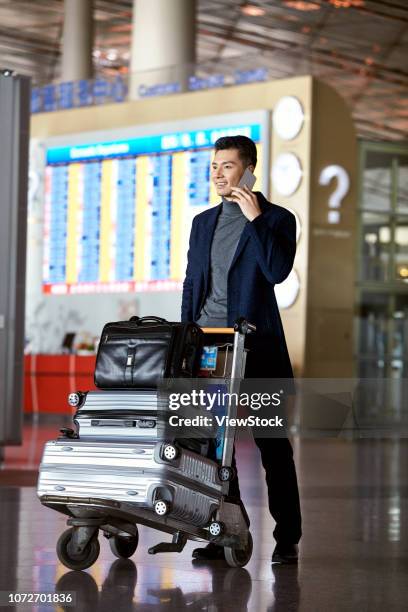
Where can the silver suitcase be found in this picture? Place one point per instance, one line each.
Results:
(116, 414)
(130, 416)
(138, 473)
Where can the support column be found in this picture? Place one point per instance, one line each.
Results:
(163, 44)
(14, 139)
(77, 42)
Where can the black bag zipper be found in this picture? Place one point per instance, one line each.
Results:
(151, 335)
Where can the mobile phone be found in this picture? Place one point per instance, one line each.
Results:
(248, 179)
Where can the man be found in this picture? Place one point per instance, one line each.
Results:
(238, 251)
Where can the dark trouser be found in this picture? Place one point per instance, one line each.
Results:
(276, 453)
(283, 494)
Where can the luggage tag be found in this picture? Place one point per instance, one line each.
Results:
(209, 358)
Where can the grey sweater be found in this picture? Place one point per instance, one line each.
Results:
(227, 233)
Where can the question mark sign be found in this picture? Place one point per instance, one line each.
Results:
(343, 184)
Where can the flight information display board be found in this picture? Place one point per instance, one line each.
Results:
(118, 214)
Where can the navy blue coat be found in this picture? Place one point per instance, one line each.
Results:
(264, 257)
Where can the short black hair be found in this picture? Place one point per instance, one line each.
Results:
(245, 146)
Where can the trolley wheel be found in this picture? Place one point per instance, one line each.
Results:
(85, 560)
(216, 528)
(122, 547)
(170, 452)
(161, 507)
(239, 558)
(225, 473)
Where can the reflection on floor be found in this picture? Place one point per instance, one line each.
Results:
(354, 553)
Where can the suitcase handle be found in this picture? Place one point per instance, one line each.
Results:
(141, 320)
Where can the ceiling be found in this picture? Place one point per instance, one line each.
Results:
(360, 47)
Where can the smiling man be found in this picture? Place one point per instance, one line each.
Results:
(238, 251)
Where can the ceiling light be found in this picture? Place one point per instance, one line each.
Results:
(302, 5)
(403, 271)
(112, 55)
(252, 10)
(346, 3)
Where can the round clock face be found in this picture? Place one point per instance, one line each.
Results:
(287, 292)
(286, 173)
(288, 117)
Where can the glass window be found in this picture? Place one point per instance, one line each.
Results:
(398, 371)
(376, 241)
(401, 249)
(402, 184)
(400, 328)
(373, 330)
(382, 343)
(376, 193)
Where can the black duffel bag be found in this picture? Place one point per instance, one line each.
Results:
(139, 353)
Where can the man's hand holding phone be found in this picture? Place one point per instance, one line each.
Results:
(246, 198)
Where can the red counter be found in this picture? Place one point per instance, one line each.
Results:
(48, 379)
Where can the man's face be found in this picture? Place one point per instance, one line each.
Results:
(226, 171)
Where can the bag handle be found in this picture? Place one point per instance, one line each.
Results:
(141, 320)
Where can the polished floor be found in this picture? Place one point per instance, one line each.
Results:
(354, 552)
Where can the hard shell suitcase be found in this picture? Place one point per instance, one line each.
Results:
(131, 415)
(116, 414)
(136, 473)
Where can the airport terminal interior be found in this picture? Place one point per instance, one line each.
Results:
(353, 554)
(109, 112)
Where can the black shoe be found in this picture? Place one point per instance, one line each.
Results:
(211, 552)
(285, 554)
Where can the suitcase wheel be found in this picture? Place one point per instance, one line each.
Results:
(161, 507)
(170, 452)
(77, 562)
(216, 528)
(225, 473)
(76, 399)
(123, 548)
(73, 399)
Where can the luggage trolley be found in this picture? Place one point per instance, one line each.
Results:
(115, 472)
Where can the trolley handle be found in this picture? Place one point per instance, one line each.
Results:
(218, 330)
(243, 326)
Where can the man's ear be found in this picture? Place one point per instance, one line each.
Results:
(251, 167)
